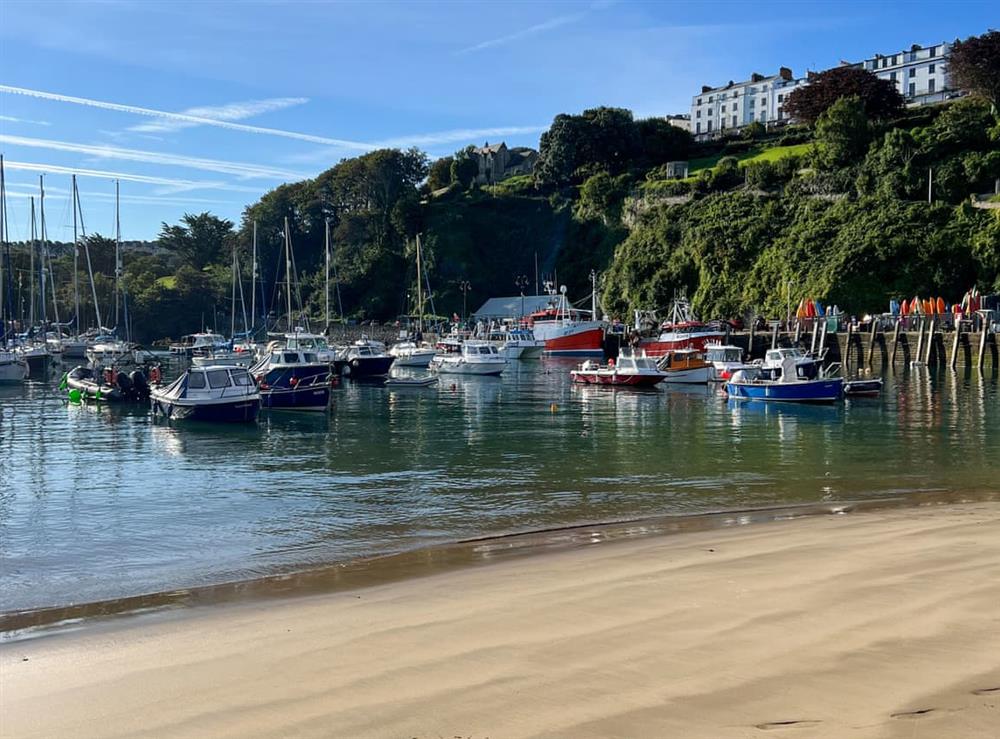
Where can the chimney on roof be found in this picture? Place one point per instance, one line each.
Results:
(785, 73)
(810, 75)
(731, 83)
(705, 88)
(756, 77)
(916, 47)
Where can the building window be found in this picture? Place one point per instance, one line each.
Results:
(913, 71)
(709, 98)
(892, 76)
(723, 108)
(930, 69)
(895, 59)
(930, 85)
(710, 126)
(763, 116)
(752, 101)
(913, 89)
(697, 127)
(780, 98)
(763, 102)
(933, 51)
(734, 121)
(698, 114)
(699, 101)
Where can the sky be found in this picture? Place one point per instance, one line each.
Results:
(195, 105)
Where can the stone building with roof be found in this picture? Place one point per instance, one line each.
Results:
(497, 162)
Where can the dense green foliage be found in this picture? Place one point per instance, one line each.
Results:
(974, 65)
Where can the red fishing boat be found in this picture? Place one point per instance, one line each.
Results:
(682, 331)
(568, 331)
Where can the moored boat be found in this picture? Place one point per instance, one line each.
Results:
(685, 366)
(106, 385)
(568, 331)
(475, 357)
(365, 358)
(215, 393)
(725, 360)
(630, 370)
(795, 381)
(682, 331)
(293, 380)
(13, 368)
(866, 388)
(411, 353)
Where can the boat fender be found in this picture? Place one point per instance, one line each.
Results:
(611, 362)
(293, 381)
(738, 376)
(154, 375)
(355, 363)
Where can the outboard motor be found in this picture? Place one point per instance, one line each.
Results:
(140, 387)
(124, 384)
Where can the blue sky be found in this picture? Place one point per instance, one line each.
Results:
(205, 105)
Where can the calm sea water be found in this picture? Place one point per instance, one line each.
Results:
(103, 502)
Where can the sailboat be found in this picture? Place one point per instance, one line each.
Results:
(13, 367)
(292, 379)
(108, 349)
(32, 345)
(411, 350)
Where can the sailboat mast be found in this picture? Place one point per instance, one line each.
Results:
(4, 258)
(86, 252)
(253, 279)
(118, 244)
(47, 263)
(31, 271)
(232, 298)
(326, 249)
(41, 251)
(420, 292)
(288, 274)
(76, 266)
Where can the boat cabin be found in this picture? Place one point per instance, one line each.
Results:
(285, 358)
(724, 353)
(477, 348)
(306, 342)
(682, 359)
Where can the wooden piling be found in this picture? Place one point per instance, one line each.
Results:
(774, 335)
(812, 344)
(798, 333)
(983, 330)
(920, 340)
(954, 345)
(930, 341)
(871, 343)
(822, 337)
(895, 341)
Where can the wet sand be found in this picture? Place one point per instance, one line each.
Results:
(873, 624)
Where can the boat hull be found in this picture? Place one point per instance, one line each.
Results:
(816, 391)
(617, 379)
(244, 410)
(416, 359)
(572, 341)
(359, 368)
(693, 376)
(13, 372)
(669, 342)
(483, 369)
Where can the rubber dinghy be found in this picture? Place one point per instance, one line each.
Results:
(106, 386)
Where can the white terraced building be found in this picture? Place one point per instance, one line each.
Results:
(920, 75)
(720, 109)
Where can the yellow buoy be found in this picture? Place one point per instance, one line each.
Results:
(553, 407)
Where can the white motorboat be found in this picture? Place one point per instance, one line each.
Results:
(201, 343)
(232, 358)
(13, 368)
(632, 369)
(725, 360)
(37, 355)
(518, 343)
(475, 358)
(412, 354)
(213, 393)
(108, 351)
(317, 344)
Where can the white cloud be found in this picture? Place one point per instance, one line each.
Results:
(559, 20)
(227, 112)
(12, 119)
(104, 151)
(184, 117)
(124, 176)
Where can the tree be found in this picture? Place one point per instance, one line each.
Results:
(879, 98)
(199, 239)
(601, 196)
(843, 133)
(465, 167)
(440, 173)
(578, 146)
(974, 65)
(661, 142)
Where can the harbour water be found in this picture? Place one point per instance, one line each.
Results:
(103, 502)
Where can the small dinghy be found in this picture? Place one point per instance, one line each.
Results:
(864, 388)
(222, 394)
(398, 382)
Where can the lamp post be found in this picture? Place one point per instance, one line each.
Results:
(522, 282)
(464, 286)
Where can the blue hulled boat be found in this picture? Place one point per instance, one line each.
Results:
(220, 394)
(293, 380)
(796, 379)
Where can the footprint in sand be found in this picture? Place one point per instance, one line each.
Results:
(791, 724)
(986, 691)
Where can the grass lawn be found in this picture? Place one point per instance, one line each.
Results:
(756, 154)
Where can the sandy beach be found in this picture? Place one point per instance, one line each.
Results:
(876, 624)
